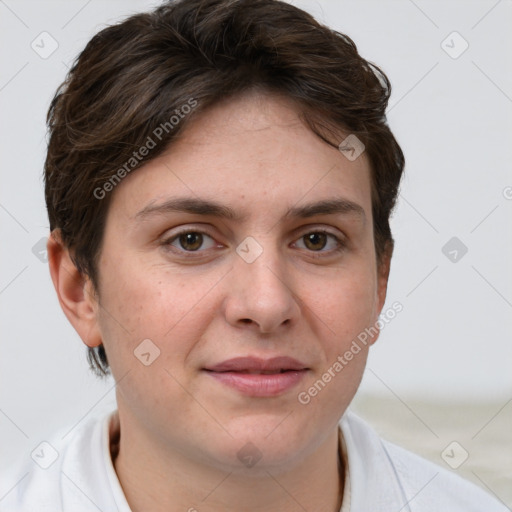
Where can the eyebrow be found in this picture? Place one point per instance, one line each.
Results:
(215, 209)
(327, 207)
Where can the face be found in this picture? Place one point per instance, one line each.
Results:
(245, 254)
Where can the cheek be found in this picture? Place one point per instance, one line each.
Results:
(343, 308)
(150, 305)
(345, 304)
(141, 302)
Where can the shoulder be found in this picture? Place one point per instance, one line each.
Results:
(63, 472)
(434, 487)
(399, 477)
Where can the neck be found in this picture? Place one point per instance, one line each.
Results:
(164, 480)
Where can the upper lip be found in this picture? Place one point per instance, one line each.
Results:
(255, 364)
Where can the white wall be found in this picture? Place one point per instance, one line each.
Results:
(453, 119)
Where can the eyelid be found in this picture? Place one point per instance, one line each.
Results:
(172, 233)
(321, 228)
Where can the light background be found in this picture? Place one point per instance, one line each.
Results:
(451, 345)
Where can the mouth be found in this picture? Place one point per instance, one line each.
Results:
(262, 372)
(259, 377)
(257, 365)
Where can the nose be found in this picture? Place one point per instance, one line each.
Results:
(259, 295)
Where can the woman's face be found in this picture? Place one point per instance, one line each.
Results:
(216, 251)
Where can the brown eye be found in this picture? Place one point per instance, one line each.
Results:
(320, 243)
(191, 241)
(315, 241)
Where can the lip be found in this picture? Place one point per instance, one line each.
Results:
(256, 364)
(249, 375)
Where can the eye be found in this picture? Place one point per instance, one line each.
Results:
(190, 241)
(316, 241)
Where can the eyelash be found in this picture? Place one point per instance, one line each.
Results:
(341, 246)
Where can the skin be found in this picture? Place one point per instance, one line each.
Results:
(181, 429)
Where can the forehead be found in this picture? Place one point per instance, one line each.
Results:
(252, 153)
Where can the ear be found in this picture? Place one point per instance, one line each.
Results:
(383, 268)
(76, 293)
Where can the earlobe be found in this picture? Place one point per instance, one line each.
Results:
(74, 291)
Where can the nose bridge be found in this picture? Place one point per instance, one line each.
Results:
(259, 290)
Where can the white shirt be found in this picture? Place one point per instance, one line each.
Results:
(380, 476)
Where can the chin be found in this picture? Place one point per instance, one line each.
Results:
(264, 441)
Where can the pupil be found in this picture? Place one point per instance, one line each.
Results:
(316, 238)
(191, 241)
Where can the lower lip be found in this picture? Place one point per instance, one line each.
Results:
(257, 384)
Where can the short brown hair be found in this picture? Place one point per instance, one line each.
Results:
(133, 77)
